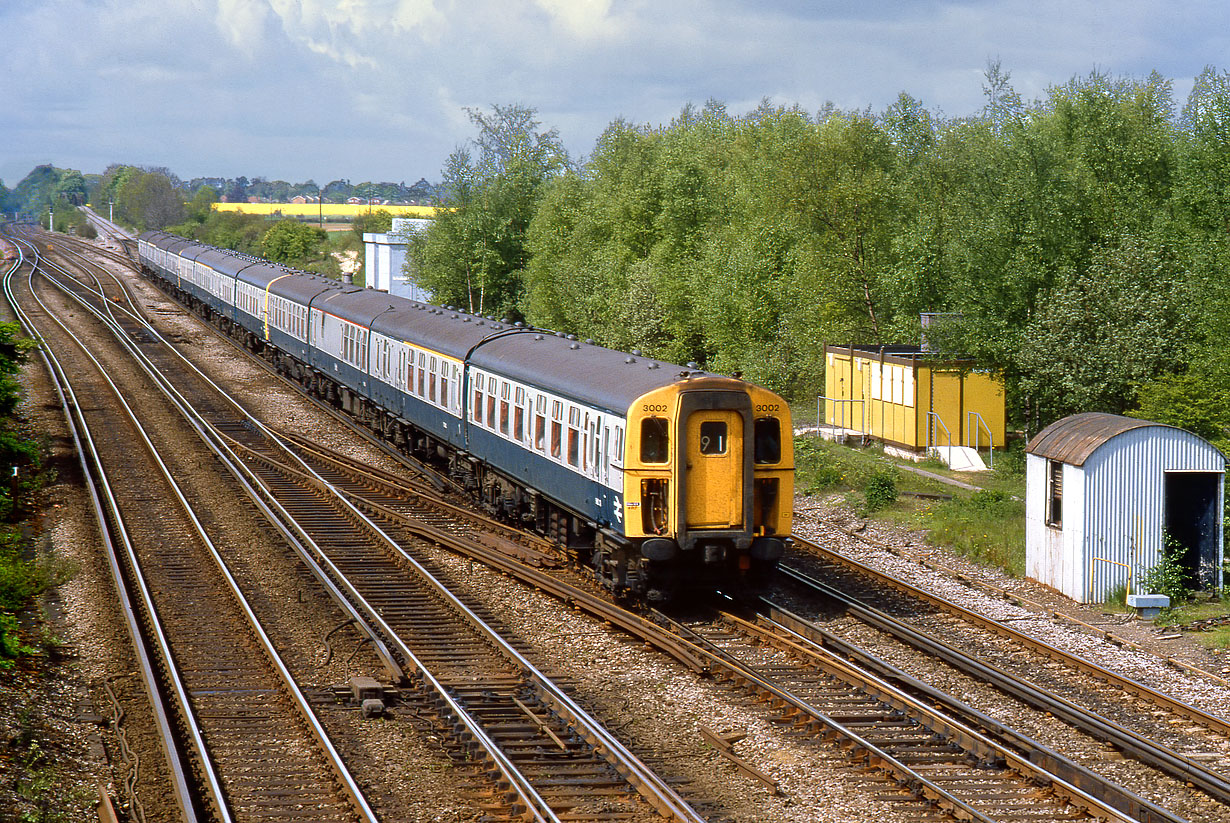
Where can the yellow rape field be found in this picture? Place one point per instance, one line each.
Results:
(343, 211)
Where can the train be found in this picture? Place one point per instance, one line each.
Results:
(658, 477)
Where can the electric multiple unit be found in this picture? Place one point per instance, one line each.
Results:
(655, 475)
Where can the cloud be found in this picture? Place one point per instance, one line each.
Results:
(377, 88)
(355, 32)
(583, 18)
(243, 23)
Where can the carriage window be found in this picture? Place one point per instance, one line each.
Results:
(491, 410)
(574, 443)
(557, 429)
(713, 437)
(477, 413)
(540, 433)
(518, 423)
(504, 416)
(655, 440)
(768, 440)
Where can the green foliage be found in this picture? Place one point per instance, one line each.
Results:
(146, 199)
(820, 467)
(46, 186)
(475, 254)
(379, 221)
(20, 578)
(292, 242)
(200, 207)
(1168, 577)
(226, 229)
(880, 490)
(988, 527)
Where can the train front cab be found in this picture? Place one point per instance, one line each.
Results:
(708, 482)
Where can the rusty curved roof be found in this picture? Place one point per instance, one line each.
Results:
(1073, 439)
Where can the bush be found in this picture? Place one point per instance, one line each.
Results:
(1168, 577)
(880, 490)
(820, 469)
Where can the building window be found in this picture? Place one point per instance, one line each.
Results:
(1054, 493)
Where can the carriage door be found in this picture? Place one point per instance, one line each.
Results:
(714, 469)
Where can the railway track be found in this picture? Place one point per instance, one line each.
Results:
(1167, 734)
(544, 757)
(962, 773)
(242, 742)
(1001, 783)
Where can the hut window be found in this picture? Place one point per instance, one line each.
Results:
(1054, 493)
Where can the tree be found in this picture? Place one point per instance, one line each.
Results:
(238, 192)
(148, 200)
(379, 221)
(202, 203)
(1204, 176)
(292, 242)
(71, 188)
(474, 254)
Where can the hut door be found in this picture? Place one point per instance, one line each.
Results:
(1191, 517)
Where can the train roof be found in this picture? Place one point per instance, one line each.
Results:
(598, 376)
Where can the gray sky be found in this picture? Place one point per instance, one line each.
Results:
(377, 89)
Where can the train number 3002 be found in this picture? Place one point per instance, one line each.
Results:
(653, 407)
(769, 407)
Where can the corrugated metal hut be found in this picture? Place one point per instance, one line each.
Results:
(1102, 491)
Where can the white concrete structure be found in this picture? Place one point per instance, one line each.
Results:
(385, 258)
(1102, 490)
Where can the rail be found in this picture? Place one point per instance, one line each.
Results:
(220, 798)
(1128, 741)
(1095, 559)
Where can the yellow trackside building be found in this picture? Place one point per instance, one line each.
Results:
(905, 397)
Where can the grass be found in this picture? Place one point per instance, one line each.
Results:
(1196, 609)
(987, 526)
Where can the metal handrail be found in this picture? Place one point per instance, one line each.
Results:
(972, 432)
(1093, 572)
(947, 434)
(842, 403)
